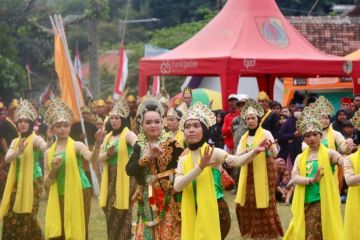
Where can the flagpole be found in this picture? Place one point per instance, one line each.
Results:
(58, 26)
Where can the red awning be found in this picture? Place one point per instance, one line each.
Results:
(247, 38)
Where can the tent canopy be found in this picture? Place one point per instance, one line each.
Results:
(247, 38)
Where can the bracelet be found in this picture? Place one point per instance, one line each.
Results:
(310, 181)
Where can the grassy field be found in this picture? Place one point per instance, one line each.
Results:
(97, 225)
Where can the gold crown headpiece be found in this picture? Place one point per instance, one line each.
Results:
(109, 99)
(14, 104)
(252, 107)
(173, 113)
(263, 96)
(25, 110)
(58, 112)
(199, 112)
(323, 106)
(356, 120)
(187, 90)
(309, 121)
(146, 102)
(121, 108)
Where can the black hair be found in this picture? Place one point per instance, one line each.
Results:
(275, 103)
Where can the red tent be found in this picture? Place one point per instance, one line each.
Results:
(247, 38)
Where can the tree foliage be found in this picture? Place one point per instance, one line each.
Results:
(24, 41)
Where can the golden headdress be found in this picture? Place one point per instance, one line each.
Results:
(25, 110)
(252, 107)
(146, 102)
(173, 113)
(58, 112)
(263, 96)
(323, 106)
(14, 104)
(131, 98)
(187, 90)
(164, 97)
(109, 99)
(356, 120)
(199, 112)
(100, 103)
(85, 109)
(309, 121)
(120, 108)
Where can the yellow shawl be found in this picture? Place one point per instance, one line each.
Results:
(265, 117)
(203, 222)
(352, 209)
(331, 221)
(260, 174)
(24, 193)
(122, 179)
(74, 217)
(180, 138)
(332, 145)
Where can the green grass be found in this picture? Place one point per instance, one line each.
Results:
(97, 225)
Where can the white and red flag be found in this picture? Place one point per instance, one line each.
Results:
(122, 72)
(156, 85)
(77, 67)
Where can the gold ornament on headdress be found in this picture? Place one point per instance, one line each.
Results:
(323, 106)
(85, 109)
(252, 107)
(356, 120)
(14, 104)
(309, 121)
(25, 110)
(131, 98)
(109, 99)
(263, 96)
(120, 108)
(100, 103)
(147, 101)
(199, 112)
(173, 113)
(164, 97)
(58, 112)
(187, 90)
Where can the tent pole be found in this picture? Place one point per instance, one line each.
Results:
(229, 83)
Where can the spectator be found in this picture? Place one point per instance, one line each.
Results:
(346, 104)
(286, 192)
(286, 112)
(290, 139)
(226, 129)
(348, 129)
(356, 101)
(340, 116)
(215, 131)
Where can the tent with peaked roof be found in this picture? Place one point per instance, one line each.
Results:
(354, 55)
(247, 38)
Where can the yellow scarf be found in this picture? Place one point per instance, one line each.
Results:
(122, 179)
(24, 193)
(264, 117)
(331, 145)
(203, 223)
(331, 221)
(260, 174)
(74, 217)
(180, 138)
(352, 209)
